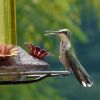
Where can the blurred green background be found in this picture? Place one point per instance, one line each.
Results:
(82, 17)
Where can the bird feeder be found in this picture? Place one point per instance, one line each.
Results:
(16, 65)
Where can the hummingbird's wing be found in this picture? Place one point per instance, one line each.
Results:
(80, 73)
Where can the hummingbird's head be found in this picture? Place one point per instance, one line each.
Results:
(64, 34)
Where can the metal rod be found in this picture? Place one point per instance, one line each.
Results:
(36, 73)
(51, 75)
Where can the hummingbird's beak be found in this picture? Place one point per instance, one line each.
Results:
(51, 32)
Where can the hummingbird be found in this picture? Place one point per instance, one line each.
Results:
(68, 58)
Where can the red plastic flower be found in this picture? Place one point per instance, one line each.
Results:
(37, 52)
(8, 50)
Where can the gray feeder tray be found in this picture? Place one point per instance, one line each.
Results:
(23, 62)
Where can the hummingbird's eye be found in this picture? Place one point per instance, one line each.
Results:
(64, 32)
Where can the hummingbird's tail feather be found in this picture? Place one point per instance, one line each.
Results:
(80, 73)
(82, 76)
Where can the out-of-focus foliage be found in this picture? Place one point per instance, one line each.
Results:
(82, 17)
(39, 91)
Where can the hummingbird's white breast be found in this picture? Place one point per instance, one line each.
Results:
(64, 46)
